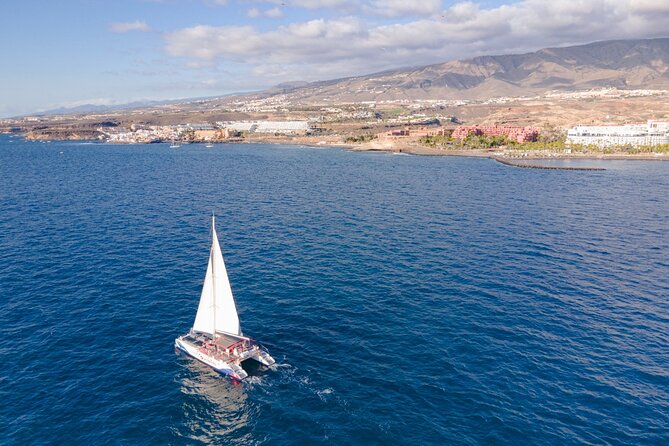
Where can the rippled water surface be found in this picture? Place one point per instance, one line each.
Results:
(408, 300)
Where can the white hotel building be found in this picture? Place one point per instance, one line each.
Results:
(649, 134)
(280, 127)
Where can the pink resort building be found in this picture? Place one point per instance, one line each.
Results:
(519, 134)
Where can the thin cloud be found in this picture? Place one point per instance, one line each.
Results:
(124, 27)
(384, 8)
(397, 8)
(274, 13)
(315, 4)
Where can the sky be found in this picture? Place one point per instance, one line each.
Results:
(72, 52)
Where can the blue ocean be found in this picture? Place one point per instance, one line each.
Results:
(407, 300)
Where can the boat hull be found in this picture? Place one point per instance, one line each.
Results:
(227, 355)
(218, 365)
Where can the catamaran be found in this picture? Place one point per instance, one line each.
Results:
(216, 337)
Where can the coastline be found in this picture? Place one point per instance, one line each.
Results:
(413, 147)
(507, 158)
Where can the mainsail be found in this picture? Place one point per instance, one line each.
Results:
(217, 305)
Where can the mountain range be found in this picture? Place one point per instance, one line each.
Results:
(624, 64)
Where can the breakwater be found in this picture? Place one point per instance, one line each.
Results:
(508, 162)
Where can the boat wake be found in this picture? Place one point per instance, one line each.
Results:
(286, 375)
(324, 394)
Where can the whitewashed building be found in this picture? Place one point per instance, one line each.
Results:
(239, 126)
(281, 127)
(649, 134)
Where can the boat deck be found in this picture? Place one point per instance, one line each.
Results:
(201, 340)
(230, 349)
(225, 340)
(226, 347)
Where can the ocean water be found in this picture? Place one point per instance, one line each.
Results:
(408, 300)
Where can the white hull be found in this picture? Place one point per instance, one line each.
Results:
(218, 365)
(225, 359)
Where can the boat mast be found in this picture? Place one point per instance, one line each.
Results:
(213, 275)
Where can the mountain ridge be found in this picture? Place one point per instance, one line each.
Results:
(622, 64)
(626, 64)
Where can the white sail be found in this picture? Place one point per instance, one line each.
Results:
(217, 305)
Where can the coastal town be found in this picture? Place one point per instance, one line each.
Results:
(503, 126)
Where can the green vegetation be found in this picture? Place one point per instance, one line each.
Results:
(551, 139)
(360, 138)
(389, 112)
(440, 142)
(471, 142)
(486, 142)
(554, 139)
(553, 146)
(560, 146)
(660, 148)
